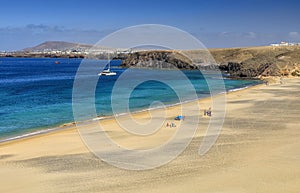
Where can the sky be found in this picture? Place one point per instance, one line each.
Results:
(216, 23)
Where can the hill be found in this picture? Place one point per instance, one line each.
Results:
(252, 62)
(259, 61)
(57, 45)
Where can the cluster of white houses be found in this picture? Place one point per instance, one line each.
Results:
(285, 44)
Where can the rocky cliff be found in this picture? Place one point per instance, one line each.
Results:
(259, 61)
(157, 59)
(255, 62)
(169, 59)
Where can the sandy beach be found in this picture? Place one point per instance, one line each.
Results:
(257, 151)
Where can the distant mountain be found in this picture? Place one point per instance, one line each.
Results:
(57, 45)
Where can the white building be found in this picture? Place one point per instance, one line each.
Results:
(285, 44)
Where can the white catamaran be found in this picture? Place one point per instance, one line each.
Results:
(107, 72)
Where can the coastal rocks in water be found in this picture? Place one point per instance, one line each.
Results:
(243, 70)
(158, 59)
(164, 59)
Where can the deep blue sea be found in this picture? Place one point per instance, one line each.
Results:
(36, 93)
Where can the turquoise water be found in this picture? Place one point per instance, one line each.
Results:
(37, 93)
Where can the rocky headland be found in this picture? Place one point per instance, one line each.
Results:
(251, 62)
(254, 62)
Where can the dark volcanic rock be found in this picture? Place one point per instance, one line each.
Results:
(243, 70)
(158, 59)
(259, 62)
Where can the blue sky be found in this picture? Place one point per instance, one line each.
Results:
(217, 23)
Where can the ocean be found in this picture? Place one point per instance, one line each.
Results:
(36, 93)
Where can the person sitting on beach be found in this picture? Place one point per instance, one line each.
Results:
(167, 124)
(209, 113)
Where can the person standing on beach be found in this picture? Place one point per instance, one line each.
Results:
(281, 80)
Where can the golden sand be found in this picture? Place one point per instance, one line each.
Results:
(258, 151)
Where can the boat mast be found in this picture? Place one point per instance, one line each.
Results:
(108, 62)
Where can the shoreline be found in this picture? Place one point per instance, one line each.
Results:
(71, 125)
(257, 150)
